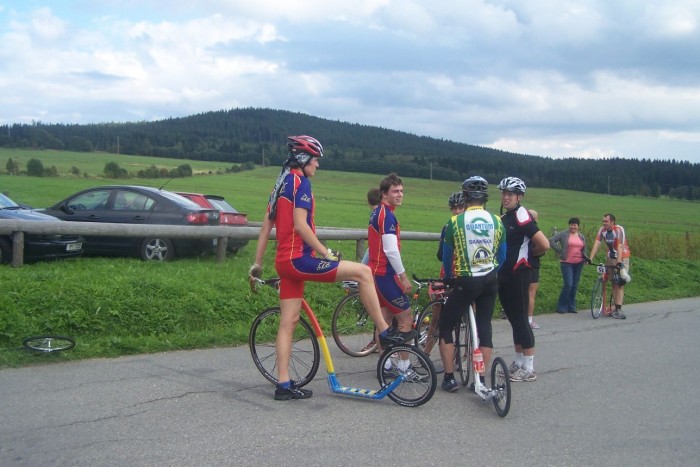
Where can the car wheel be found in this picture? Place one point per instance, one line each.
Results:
(157, 249)
(5, 251)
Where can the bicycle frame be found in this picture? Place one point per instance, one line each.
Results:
(604, 278)
(480, 388)
(332, 378)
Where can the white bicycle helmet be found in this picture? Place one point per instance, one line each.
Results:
(512, 184)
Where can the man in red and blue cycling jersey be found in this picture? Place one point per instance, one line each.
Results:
(301, 256)
(384, 241)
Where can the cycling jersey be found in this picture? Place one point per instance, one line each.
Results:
(295, 193)
(474, 243)
(520, 228)
(613, 238)
(382, 222)
(295, 260)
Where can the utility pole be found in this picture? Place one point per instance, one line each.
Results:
(117, 145)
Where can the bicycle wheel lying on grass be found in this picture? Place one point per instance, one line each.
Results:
(48, 344)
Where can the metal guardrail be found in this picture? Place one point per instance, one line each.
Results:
(16, 229)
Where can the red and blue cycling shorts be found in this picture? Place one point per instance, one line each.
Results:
(295, 272)
(390, 294)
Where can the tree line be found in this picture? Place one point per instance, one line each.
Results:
(252, 135)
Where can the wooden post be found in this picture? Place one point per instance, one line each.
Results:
(17, 249)
(221, 244)
(360, 249)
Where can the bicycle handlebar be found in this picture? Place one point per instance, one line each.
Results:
(432, 281)
(255, 282)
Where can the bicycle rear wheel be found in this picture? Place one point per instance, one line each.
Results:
(597, 298)
(48, 344)
(463, 349)
(420, 380)
(500, 381)
(353, 329)
(305, 357)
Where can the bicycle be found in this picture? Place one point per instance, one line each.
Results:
(465, 341)
(426, 321)
(48, 344)
(601, 299)
(352, 327)
(411, 387)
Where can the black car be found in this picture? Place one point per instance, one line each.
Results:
(137, 205)
(36, 246)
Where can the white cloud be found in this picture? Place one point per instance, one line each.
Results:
(589, 79)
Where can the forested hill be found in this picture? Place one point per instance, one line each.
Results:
(259, 135)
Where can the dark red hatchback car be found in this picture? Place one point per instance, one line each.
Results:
(229, 215)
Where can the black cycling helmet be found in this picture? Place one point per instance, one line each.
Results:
(303, 148)
(512, 184)
(456, 200)
(475, 188)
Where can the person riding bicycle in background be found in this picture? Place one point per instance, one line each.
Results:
(473, 249)
(618, 254)
(384, 240)
(515, 274)
(301, 256)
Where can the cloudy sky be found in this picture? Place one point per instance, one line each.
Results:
(558, 78)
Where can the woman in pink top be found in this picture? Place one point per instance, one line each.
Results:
(570, 245)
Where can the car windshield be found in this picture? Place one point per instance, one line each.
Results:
(7, 203)
(222, 205)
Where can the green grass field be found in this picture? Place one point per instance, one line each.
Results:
(116, 306)
(341, 196)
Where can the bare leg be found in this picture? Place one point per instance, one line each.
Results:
(447, 352)
(618, 294)
(289, 309)
(348, 270)
(532, 291)
(432, 329)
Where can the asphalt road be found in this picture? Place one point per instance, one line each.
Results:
(608, 392)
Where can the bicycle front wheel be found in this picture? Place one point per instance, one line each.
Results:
(353, 329)
(48, 344)
(305, 356)
(597, 298)
(500, 381)
(420, 380)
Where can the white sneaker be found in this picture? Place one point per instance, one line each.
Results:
(523, 375)
(513, 368)
(534, 325)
